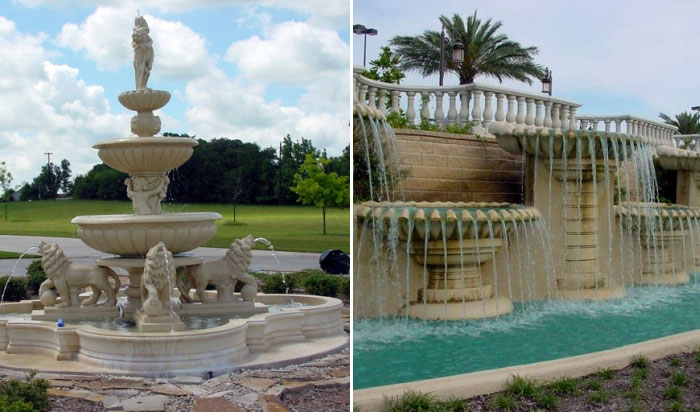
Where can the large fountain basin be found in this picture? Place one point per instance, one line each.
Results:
(145, 155)
(134, 235)
(447, 220)
(660, 216)
(220, 349)
(671, 158)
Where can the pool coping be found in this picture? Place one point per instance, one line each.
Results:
(472, 384)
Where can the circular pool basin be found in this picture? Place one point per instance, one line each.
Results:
(411, 350)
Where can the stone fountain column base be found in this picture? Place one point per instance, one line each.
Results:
(171, 323)
(600, 293)
(658, 267)
(455, 288)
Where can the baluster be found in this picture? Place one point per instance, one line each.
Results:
(500, 114)
(382, 101)
(476, 108)
(411, 109)
(584, 124)
(606, 122)
(372, 94)
(572, 118)
(488, 111)
(452, 112)
(356, 87)
(564, 115)
(520, 118)
(530, 116)
(395, 101)
(439, 114)
(618, 125)
(539, 113)
(363, 94)
(464, 107)
(548, 114)
(556, 119)
(424, 110)
(510, 116)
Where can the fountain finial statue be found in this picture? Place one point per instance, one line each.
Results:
(143, 52)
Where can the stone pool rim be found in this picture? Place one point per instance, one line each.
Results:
(468, 385)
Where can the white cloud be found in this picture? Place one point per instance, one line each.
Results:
(105, 38)
(295, 52)
(223, 107)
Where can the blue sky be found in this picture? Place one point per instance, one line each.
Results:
(612, 56)
(251, 70)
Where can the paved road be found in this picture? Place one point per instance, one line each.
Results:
(81, 253)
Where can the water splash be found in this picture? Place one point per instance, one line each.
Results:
(14, 267)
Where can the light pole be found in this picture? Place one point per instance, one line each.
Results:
(360, 29)
(443, 41)
(547, 81)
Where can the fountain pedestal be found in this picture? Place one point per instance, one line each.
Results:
(581, 277)
(455, 287)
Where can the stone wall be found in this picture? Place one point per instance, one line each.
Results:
(457, 168)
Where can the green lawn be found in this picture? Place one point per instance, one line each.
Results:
(290, 228)
(12, 255)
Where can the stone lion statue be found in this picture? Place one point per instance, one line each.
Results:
(223, 273)
(143, 52)
(156, 282)
(69, 279)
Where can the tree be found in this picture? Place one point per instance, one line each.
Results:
(340, 164)
(101, 182)
(316, 187)
(485, 52)
(46, 185)
(293, 156)
(386, 68)
(687, 123)
(5, 181)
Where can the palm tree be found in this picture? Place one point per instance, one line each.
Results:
(485, 52)
(687, 123)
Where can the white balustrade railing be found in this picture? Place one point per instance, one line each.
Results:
(654, 133)
(470, 103)
(687, 141)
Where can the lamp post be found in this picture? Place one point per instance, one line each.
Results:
(547, 81)
(360, 29)
(443, 41)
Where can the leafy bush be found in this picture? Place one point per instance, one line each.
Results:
(323, 285)
(16, 288)
(35, 276)
(275, 283)
(345, 287)
(29, 396)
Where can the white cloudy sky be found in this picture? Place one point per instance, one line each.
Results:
(613, 56)
(244, 69)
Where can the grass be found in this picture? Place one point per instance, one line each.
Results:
(678, 378)
(564, 386)
(504, 402)
(673, 392)
(640, 361)
(606, 374)
(675, 362)
(423, 402)
(289, 228)
(13, 255)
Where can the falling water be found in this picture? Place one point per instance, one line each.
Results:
(519, 260)
(591, 149)
(272, 252)
(14, 267)
(425, 266)
(608, 191)
(493, 265)
(461, 263)
(478, 260)
(504, 233)
(408, 263)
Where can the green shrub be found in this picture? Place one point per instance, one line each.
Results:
(29, 396)
(504, 402)
(323, 285)
(275, 283)
(563, 386)
(345, 287)
(640, 361)
(522, 386)
(35, 276)
(16, 288)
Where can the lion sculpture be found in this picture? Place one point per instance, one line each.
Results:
(156, 282)
(223, 273)
(69, 279)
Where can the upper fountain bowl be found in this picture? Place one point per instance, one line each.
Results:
(145, 155)
(144, 100)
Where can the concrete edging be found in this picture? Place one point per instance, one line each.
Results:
(484, 382)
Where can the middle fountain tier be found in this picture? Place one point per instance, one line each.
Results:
(572, 177)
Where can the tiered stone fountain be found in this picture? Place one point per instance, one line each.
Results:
(150, 245)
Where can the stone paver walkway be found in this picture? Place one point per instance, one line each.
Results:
(321, 385)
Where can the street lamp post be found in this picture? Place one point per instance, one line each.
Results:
(442, 54)
(360, 29)
(547, 82)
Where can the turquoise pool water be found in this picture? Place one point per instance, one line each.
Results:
(395, 350)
